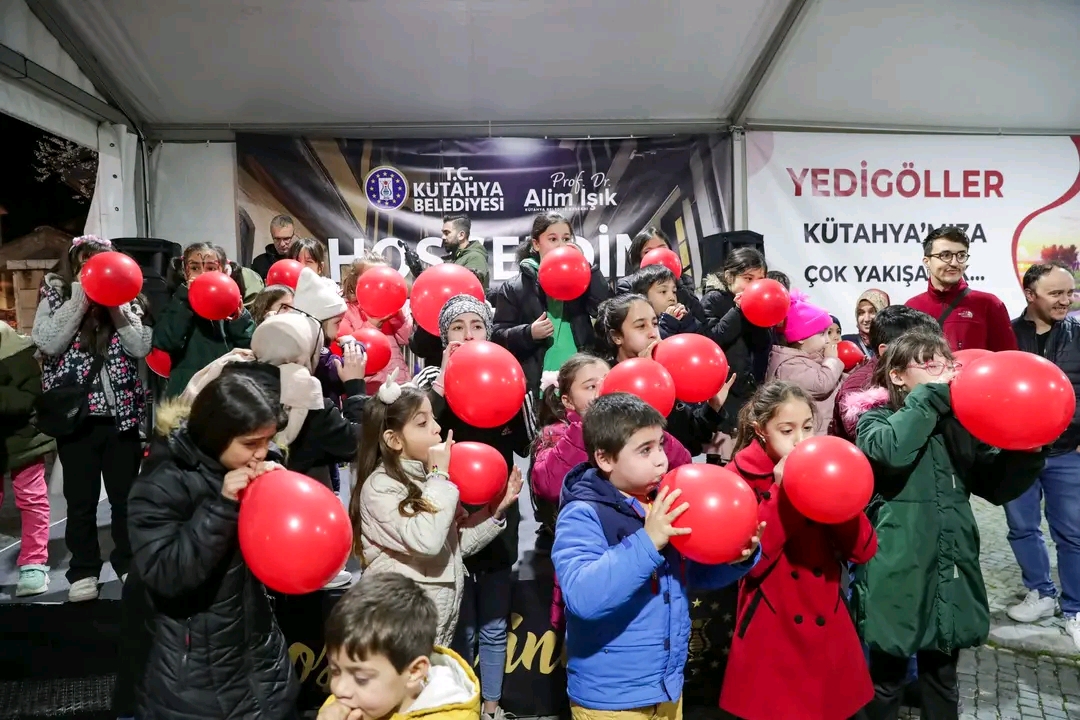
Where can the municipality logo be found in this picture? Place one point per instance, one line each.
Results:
(386, 188)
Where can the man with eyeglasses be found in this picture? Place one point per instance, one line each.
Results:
(282, 232)
(970, 319)
(1045, 328)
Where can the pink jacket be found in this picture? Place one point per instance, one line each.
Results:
(560, 448)
(398, 329)
(819, 377)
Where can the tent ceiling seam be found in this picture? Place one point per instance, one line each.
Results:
(50, 15)
(760, 69)
(561, 129)
(894, 129)
(17, 66)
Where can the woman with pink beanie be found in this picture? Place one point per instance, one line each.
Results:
(807, 358)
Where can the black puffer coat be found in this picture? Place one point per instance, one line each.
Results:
(520, 301)
(746, 346)
(217, 651)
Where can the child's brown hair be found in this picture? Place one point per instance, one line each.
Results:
(358, 267)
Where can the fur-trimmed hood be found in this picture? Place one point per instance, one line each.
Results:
(170, 415)
(863, 401)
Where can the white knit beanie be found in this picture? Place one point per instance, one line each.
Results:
(317, 296)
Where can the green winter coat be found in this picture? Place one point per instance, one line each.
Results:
(20, 385)
(924, 590)
(474, 257)
(194, 342)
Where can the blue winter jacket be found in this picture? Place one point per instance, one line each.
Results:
(627, 616)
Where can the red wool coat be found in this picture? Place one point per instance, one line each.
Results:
(795, 654)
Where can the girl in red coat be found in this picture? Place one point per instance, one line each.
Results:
(795, 654)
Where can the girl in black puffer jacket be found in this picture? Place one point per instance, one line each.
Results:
(746, 346)
(540, 332)
(216, 650)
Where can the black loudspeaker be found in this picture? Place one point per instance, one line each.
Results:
(715, 248)
(155, 257)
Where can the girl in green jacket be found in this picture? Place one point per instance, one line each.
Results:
(923, 592)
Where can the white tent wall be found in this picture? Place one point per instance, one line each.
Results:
(112, 210)
(24, 33)
(193, 194)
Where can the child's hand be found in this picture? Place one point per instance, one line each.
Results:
(752, 547)
(542, 327)
(337, 711)
(439, 455)
(831, 351)
(778, 471)
(676, 311)
(659, 516)
(648, 351)
(450, 348)
(266, 466)
(717, 401)
(353, 362)
(235, 481)
(510, 494)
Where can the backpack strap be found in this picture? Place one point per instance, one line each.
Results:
(952, 306)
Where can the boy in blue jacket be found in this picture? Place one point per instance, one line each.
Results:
(627, 616)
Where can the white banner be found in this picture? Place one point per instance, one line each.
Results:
(842, 213)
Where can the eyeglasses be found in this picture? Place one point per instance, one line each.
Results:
(947, 257)
(287, 238)
(935, 369)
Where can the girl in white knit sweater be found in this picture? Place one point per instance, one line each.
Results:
(406, 514)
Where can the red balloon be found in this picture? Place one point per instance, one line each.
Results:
(159, 362)
(111, 279)
(723, 513)
(478, 470)
(765, 303)
(377, 347)
(1013, 400)
(284, 272)
(335, 348)
(697, 365)
(565, 273)
(214, 296)
(484, 384)
(828, 479)
(666, 257)
(646, 378)
(381, 291)
(435, 286)
(294, 532)
(963, 358)
(849, 353)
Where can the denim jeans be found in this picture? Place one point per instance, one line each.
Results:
(1059, 484)
(485, 610)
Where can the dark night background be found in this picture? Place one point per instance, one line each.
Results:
(30, 203)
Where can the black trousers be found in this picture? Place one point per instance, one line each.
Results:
(937, 685)
(97, 450)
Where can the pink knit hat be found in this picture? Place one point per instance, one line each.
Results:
(804, 318)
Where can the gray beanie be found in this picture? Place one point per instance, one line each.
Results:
(459, 305)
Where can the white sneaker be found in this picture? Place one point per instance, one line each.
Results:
(83, 590)
(1033, 608)
(340, 580)
(1072, 626)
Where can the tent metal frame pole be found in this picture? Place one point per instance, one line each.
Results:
(760, 69)
(561, 129)
(15, 65)
(890, 129)
(54, 20)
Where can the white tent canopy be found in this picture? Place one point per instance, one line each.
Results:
(200, 70)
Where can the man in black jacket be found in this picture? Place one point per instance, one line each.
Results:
(282, 232)
(1046, 329)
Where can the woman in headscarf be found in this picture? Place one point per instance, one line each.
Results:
(869, 304)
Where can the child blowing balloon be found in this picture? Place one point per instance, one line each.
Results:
(627, 327)
(627, 611)
(809, 359)
(658, 285)
(561, 446)
(211, 617)
(797, 655)
(925, 596)
(406, 513)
